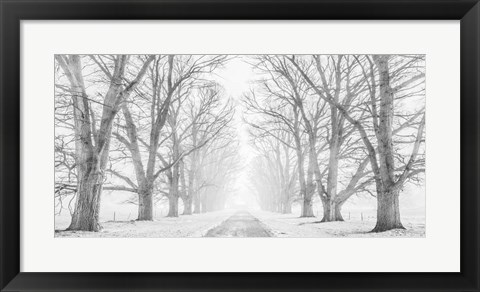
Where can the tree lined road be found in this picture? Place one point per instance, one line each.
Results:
(301, 127)
(241, 224)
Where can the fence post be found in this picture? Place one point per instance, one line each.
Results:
(361, 214)
(114, 216)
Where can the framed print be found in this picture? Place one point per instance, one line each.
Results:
(250, 146)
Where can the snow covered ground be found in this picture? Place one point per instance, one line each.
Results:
(290, 225)
(278, 225)
(195, 225)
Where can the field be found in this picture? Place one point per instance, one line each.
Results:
(276, 225)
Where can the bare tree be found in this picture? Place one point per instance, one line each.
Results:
(383, 89)
(285, 88)
(169, 80)
(275, 172)
(196, 118)
(217, 173)
(65, 165)
(65, 174)
(208, 118)
(92, 142)
(339, 80)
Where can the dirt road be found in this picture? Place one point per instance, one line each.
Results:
(241, 224)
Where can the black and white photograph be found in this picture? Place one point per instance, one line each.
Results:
(264, 145)
(238, 145)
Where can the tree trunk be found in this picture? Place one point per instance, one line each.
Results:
(338, 212)
(196, 203)
(388, 211)
(327, 210)
(92, 159)
(172, 206)
(186, 193)
(87, 207)
(328, 201)
(203, 204)
(331, 211)
(307, 210)
(287, 207)
(145, 205)
(187, 206)
(91, 178)
(311, 173)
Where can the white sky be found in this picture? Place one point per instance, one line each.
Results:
(236, 78)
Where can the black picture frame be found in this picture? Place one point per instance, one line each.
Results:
(13, 11)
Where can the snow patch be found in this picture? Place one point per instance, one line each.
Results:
(290, 225)
(196, 225)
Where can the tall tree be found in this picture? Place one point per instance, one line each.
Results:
(337, 80)
(196, 119)
(388, 180)
(218, 172)
(92, 143)
(285, 88)
(170, 78)
(274, 172)
(208, 114)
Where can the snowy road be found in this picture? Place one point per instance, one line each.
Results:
(241, 224)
